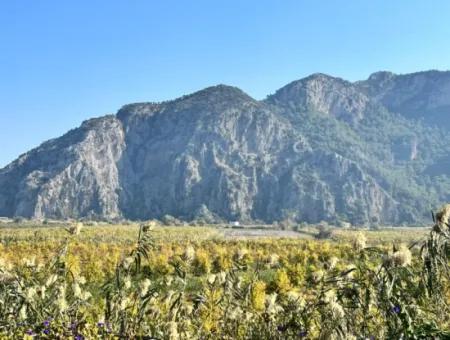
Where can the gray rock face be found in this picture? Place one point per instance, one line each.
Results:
(73, 176)
(322, 93)
(320, 148)
(422, 95)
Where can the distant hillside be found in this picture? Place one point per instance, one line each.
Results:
(320, 148)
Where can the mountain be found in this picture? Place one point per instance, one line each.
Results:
(421, 95)
(322, 93)
(320, 148)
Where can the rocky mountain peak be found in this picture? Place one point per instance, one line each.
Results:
(137, 109)
(381, 76)
(325, 94)
(319, 77)
(213, 98)
(217, 95)
(218, 91)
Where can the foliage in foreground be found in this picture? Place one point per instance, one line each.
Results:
(190, 289)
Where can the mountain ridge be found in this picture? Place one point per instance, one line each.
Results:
(319, 148)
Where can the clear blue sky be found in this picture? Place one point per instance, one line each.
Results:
(65, 61)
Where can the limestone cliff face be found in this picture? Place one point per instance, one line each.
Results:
(322, 93)
(73, 176)
(320, 148)
(207, 148)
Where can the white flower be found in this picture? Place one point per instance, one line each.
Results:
(150, 225)
(127, 262)
(402, 257)
(30, 294)
(169, 295)
(272, 306)
(271, 298)
(86, 296)
(4, 270)
(332, 262)
(359, 241)
(222, 276)
(241, 253)
(189, 253)
(173, 330)
(51, 280)
(169, 280)
(62, 304)
(330, 296)
(336, 310)
(145, 285)
(188, 308)
(77, 290)
(23, 312)
(81, 280)
(75, 229)
(351, 274)
(273, 260)
(39, 267)
(211, 279)
(239, 282)
(293, 296)
(30, 262)
(62, 290)
(235, 313)
(318, 275)
(127, 282)
(123, 304)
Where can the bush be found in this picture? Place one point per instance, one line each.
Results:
(323, 232)
(286, 224)
(19, 219)
(169, 220)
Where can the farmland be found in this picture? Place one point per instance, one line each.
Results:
(112, 281)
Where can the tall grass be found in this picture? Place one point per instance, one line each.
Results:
(209, 288)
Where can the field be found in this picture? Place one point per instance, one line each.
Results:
(128, 281)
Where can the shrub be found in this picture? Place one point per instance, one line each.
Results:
(323, 232)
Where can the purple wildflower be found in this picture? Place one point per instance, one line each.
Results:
(396, 309)
(281, 328)
(29, 332)
(100, 324)
(79, 337)
(46, 331)
(303, 333)
(46, 323)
